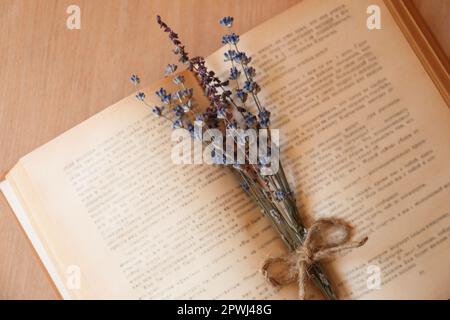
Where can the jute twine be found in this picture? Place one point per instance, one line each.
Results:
(295, 265)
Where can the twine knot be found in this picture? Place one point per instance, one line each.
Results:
(297, 263)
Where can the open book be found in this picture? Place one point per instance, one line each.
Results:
(365, 136)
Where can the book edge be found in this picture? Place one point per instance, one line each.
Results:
(20, 214)
(423, 44)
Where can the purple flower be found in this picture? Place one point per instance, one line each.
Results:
(264, 123)
(199, 119)
(226, 21)
(178, 80)
(242, 95)
(158, 110)
(264, 118)
(171, 68)
(231, 38)
(222, 113)
(178, 123)
(230, 55)
(250, 71)
(187, 105)
(190, 128)
(140, 96)
(234, 73)
(232, 125)
(217, 157)
(187, 93)
(179, 48)
(279, 195)
(163, 95)
(179, 110)
(135, 79)
(242, 58)
(264, 114)
(161, 92)
(250, 119)
(251, 86)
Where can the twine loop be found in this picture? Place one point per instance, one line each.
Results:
(297, 263)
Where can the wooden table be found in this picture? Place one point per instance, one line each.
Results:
(52, 78)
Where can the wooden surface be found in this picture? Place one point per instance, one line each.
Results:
(52, 78)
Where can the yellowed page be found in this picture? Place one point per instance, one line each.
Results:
(365, 137)
(107, 199)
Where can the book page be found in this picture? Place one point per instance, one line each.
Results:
(358, 141)
(16, 205)
(365, 137)
(108, 204)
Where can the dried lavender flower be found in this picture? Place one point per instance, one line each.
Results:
(234, 73)
(227, 21)
(178, 123)
(271, 193)
(140, 96)
(163, 95)
(171, 68)
(279, 195)
(178, 80)
(135, 79)
(158, 110)
(231, 38)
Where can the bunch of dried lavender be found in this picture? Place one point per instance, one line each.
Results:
(229, 108)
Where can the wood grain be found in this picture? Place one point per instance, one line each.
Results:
(52, 78)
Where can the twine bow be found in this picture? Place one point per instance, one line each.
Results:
(298, 262)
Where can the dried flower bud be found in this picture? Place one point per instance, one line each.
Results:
(250, 71)
(163, 95)
(279, 195)
(178, 80)
(230, 55)
(226, 21)
(158, 110)
(242, 58)
(171, 68)
(242, 95)
(231, 38)
(135, 79)
(178, 123)
(140, 96)
(234, 73)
